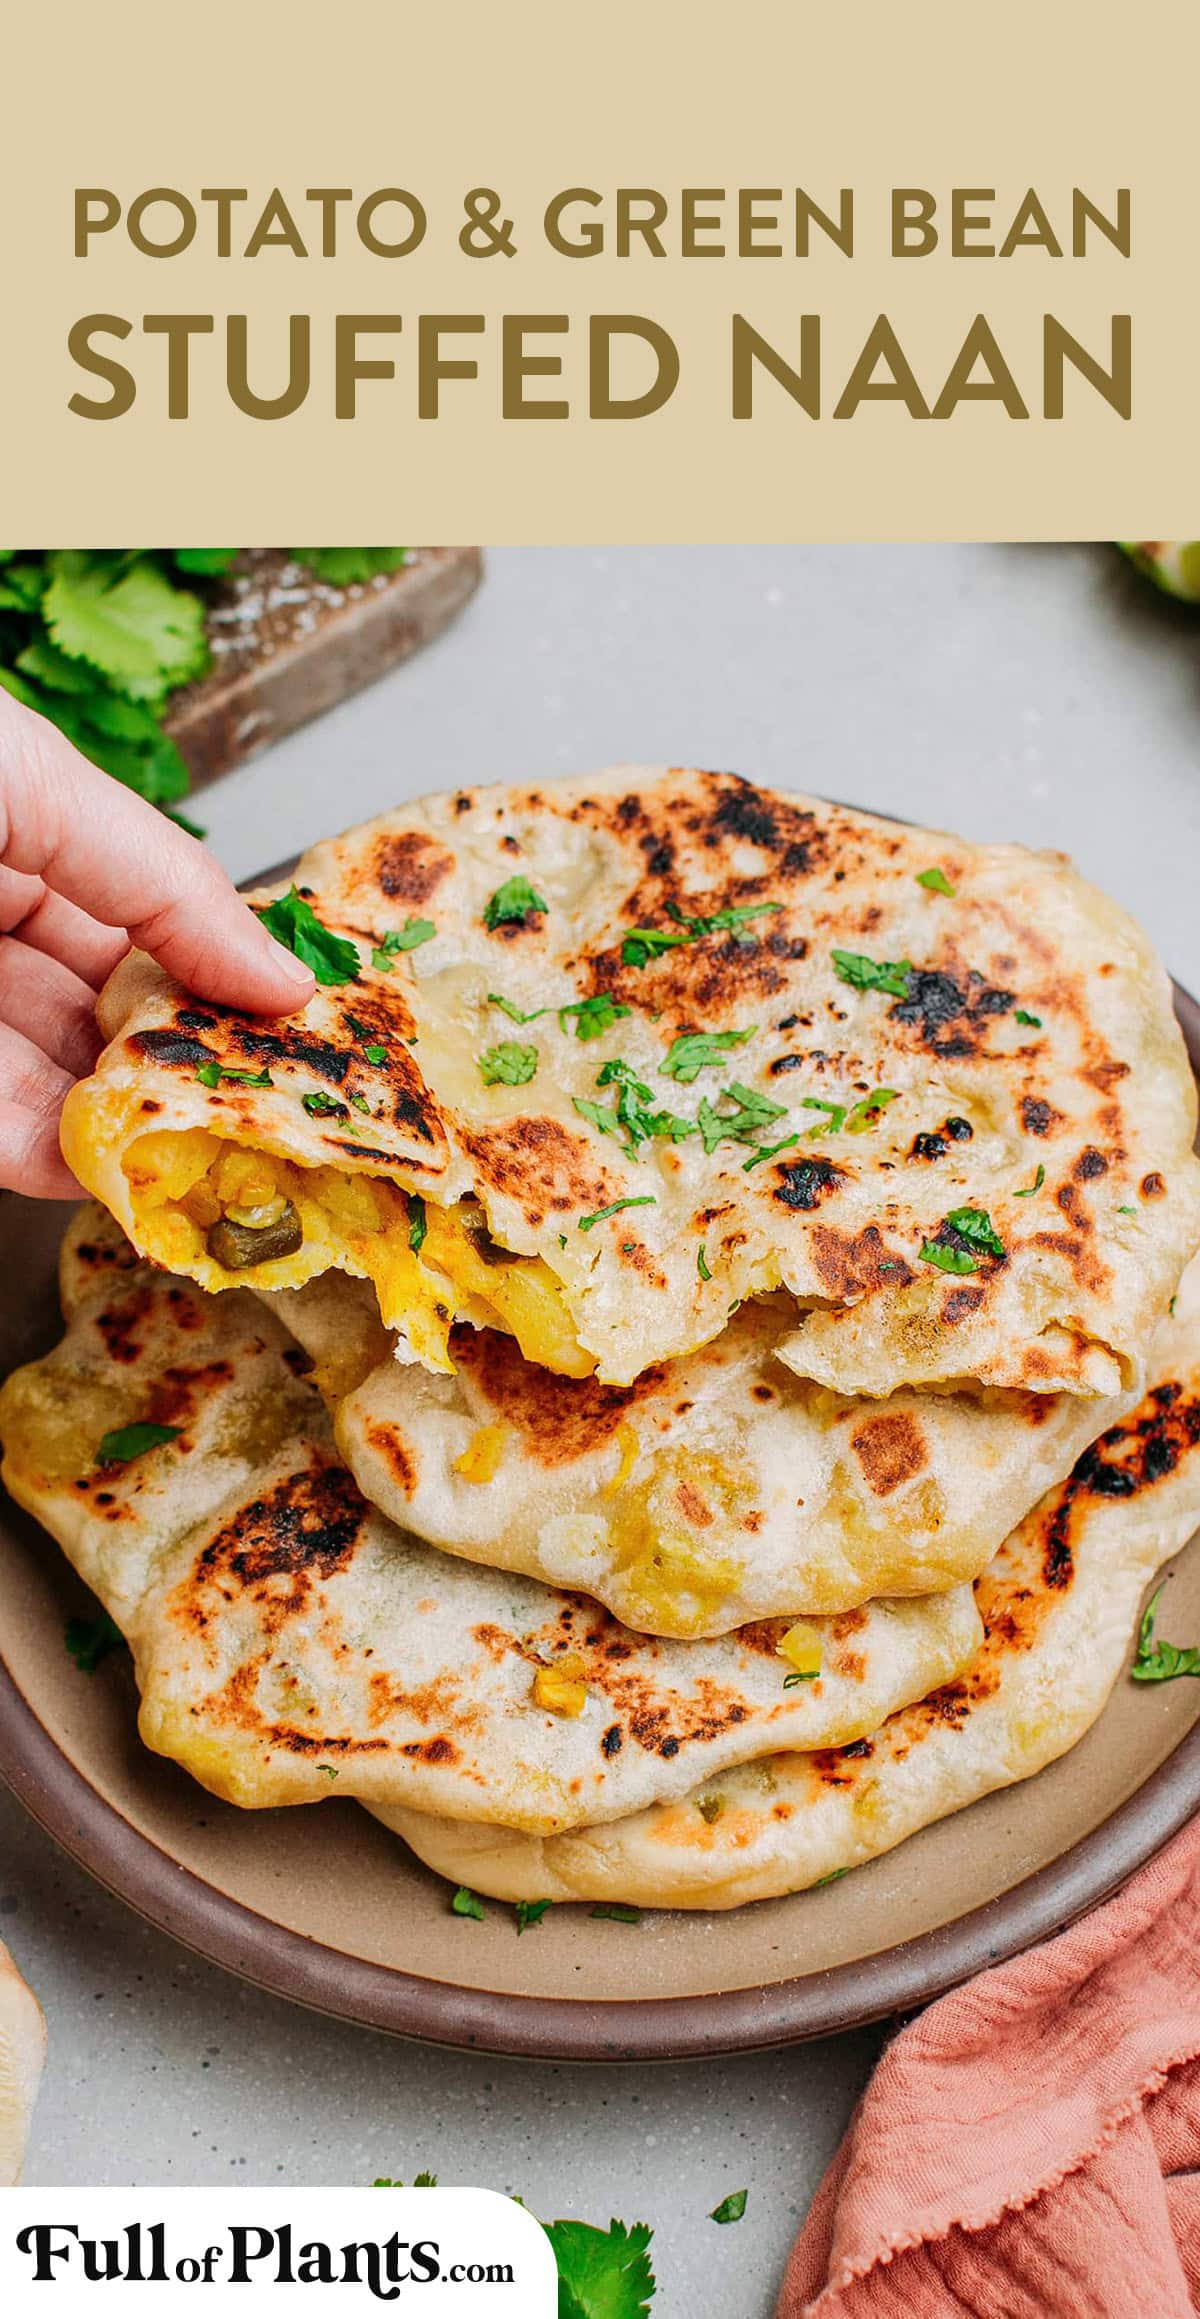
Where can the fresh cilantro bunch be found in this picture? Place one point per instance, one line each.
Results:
(99, 639)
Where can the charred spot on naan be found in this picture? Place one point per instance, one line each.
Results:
(546, 1167)
(852, 1265)
(405, 866)
(952, 1012)
(891, 1449)
(395, 1453)
(560, 1419)
(300, 1532)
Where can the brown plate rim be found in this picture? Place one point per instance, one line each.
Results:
(331, 1981)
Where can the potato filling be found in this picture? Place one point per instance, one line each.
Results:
(227, 1215)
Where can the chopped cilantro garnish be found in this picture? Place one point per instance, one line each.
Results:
(319, 1105)
(644, 1200)
(294, 923)
(410, 936)
(731, 2209)
(592, 1016)
(375, 1054)
(1160, 1662)
(696, 1051)
(966, 1235)
(417, 1226)
(602, 2274)
(862, 1115)
(508, 1065)
(628, 1115)
(768, 1150)
(130, 1441)
(211, 1075)
(831, 1877)
(467, 1903)
(886, 974)
(616, 1913)
(1031, 1022)
(833, 1124)
(750, 1112)
(513, 903)
(799, 1675)
(89, 1640)
(702, 1263)
(329, 1770)
(514, 1013)
(419, 2182)
(360, 1104)
(934, 881)
(531, 1912)
(1027, 1190)
(647, 942)
(1127, 1211)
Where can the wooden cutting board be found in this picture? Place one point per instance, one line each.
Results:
(287, 646)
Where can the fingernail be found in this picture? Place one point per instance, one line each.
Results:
(287, 963)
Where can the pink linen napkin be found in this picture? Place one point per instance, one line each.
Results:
(1027, 2147)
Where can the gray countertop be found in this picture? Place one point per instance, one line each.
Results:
(1036, 693)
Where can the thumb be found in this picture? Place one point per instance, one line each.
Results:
(122, 861)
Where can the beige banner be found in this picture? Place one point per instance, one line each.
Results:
(846, 272)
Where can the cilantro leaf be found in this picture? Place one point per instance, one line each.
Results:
(89, 1640)
(615, 1912)
(592, 1016)
(768, 1151)
(211, 1075)
(531, 1912)
(731, 2209)
(647, 942)
(750, 1111)
(1160, 1662)
(411, 935)
(644, 1200)
(295, 924)
(515, 1013)
(696, 1051)
(935, 881)
(467, 1903)
(143, 633)
(350, 567)
(1027, 1190)
(205, 563)
(965, 1236)
(130, 1441)
(863, 1114)
(629, 1114)
(508, 1065)
(833, 1124)
(319, 1105)
(417, 1226)
(702, 1266)
(886, 974)
(602, 2274)
(1031, 1022)
(513, 903)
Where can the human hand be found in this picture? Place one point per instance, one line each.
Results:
(86, 869)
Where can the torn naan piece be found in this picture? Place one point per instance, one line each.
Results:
(718, 1489)
(591, 1062)
(1059, 1605)
(290, 1643)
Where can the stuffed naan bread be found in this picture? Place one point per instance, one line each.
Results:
(289, 1643)
(1059, 1606)
(592, 1062)
(717, 1489)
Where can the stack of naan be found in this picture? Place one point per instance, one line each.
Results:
(672, 1373)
